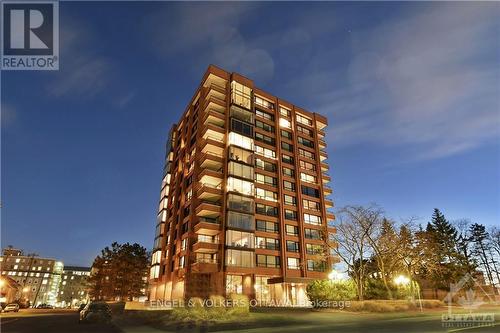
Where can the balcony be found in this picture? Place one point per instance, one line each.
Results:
(204, 266)
(215, 104)
(211, 160)
(327, 190)
(212, 177)
(214, 132)
(212, 144)
(208, 209)
(324, 167)
(214, 117)
(209, 191)
(323, 156)
(207, 226)
(206, 247)
(330, 217)
(328, 204)
(214, 80)
(216, 91)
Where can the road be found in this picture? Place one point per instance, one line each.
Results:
(45, 321)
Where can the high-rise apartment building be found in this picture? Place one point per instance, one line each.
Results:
(243, 205)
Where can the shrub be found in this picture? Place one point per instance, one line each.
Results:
(241, 305)
(431, 303)
(320, 291)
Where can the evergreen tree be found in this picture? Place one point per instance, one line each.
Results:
(480, 238)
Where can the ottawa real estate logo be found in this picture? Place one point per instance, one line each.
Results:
(30, 35)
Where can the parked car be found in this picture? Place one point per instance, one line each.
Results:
(12, 307)
(95, 312)
(44, 306)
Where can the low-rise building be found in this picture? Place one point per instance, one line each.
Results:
(39, 278)
(74, 289)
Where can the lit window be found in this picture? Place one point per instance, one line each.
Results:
(285, 123)
(240, 186)
(293, 263)
(240, 140)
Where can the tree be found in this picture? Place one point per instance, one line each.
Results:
(119, 272)
(442, 236)
(356, 226)
(480, 238)
(464, 245)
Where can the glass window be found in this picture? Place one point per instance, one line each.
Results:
(287, 159)
(240, 220)
(237, 202)
(311, 205)
(267, 226)
(284, 112)
(265, 139)
(240, 239)
(293, 263)
(306, 190)
(240, 186)
(268, 261)
(312, 233)
(289, 186)
(292, 246)
(306, 153)
(290, 200)
(308, 178)
(306, 131)
(264, 165)
(263, 102)
(240, 140)
(239, 154)
(318, 266)
(306, 165)
(267, 243)
(286, 134)
(268, 180)
(241, 127)
(241, 95)
(242, 114)
(266, 210)
(240, 258)
(288, 172)
(264, 126)
(269, 153)
(266, 195)
(240, 170)
(292, 230)
(305, 142)
(312, 219)
(286, 146)
(314, 249)
(303, 119)
(290, 214)
(285, 123)
(264, 114)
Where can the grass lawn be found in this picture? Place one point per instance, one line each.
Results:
(333, 321)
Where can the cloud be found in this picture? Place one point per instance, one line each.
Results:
(8, 115)
(83, 73)
(429, 82)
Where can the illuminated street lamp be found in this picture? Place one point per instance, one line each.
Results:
(26, 289)
(401, 280)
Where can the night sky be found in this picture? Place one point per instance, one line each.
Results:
(411, 91)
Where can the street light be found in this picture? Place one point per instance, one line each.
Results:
(401, 280)
(26, 289)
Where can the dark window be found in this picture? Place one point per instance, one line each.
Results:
(286, 134)
(264, 126)
(287, 159)
(265, 139)
(305, 142)
(310, 191)
(286, 146)
(266, 210)
(292, 246)
(312, 234)
(267, 261)
(267, 226)
(242, 128)
(290, 214)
